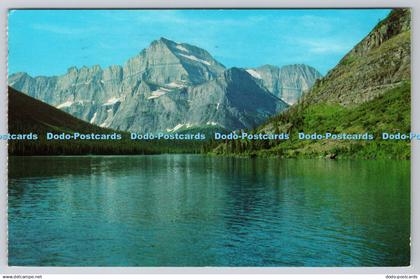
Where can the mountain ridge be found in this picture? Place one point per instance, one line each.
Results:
(379, 62)
(150, 92)
(27, 115)
(288, 82)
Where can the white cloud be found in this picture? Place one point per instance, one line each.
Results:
(319, 23)
(324, 46)
(61, 30)
(175, 17)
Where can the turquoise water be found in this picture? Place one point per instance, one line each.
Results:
(190, 210)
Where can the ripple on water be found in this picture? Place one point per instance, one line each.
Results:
(185, 210)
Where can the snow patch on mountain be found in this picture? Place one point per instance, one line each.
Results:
(181, 48)
(94, 117)
(65, 105)
(192, 57)
(160, 92)
(175, 84)
(254, 73)
(179, 126)
(112, 101)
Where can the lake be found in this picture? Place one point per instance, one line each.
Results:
(192, 210)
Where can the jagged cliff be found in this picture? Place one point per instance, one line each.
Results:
(381, 61)
(167, 86)
(287, 82)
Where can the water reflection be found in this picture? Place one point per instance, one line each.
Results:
(185, 210)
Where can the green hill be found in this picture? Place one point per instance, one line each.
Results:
(367, 92)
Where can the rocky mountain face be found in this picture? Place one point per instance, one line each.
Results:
(381, 61)
(166, 87)
(288, 82)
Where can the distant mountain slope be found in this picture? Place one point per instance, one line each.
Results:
(28, 115)
(231, 101)
(97, 95)
(288, 82)
(236, 101)
(367, 92)
(151, 91)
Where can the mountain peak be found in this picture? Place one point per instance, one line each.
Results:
(236, 73)
(19, 75)
(151, 91)
(164, 40)
(287, 82)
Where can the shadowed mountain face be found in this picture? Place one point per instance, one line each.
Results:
(26, 115)
(169, 86)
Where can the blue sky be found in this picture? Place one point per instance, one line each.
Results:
(48, 42)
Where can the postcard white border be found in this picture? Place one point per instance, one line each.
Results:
(5, 5)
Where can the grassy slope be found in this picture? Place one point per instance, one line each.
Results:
(367, 92)
(389, 112)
